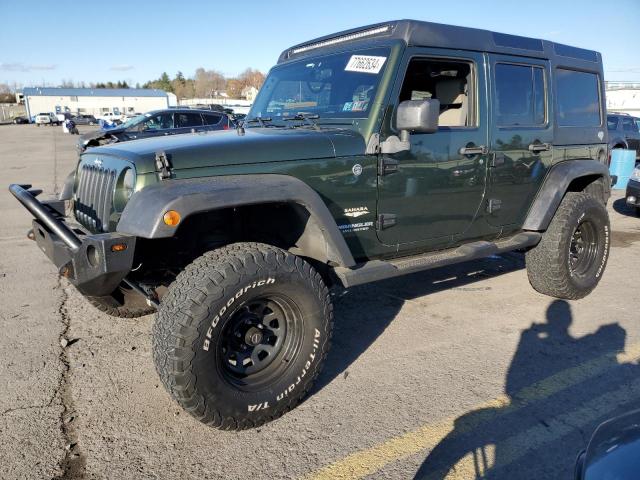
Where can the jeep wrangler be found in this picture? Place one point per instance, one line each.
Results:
(368, 154)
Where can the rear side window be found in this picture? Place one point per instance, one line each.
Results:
(578, 96)
(628, 125)
(185, 120)
(210, 119)
(612, 122)
(520, 95)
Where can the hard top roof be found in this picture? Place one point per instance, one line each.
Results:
(427, 34)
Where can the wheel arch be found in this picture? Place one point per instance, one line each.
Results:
(571, 175)
(316, 232)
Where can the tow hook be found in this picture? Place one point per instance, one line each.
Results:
(148, 293)
(31, 235)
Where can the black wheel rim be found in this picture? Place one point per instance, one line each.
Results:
(259, 340)
(583, 248)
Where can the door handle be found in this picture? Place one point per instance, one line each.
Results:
(479, 150)
(539, 147)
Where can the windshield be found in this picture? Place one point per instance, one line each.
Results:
(342, 85)
(132, 122)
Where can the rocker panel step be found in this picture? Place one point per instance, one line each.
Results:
(375, 270)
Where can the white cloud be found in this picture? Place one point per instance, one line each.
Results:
(22, 67)
(122, 67)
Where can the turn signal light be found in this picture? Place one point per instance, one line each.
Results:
(118, 247)
(171, 218)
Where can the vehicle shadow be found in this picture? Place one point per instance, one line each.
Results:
(620, 206)
(556, 387)
(364, 312)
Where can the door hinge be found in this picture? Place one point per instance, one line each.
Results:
(385, 220)
(387, 165)
(494, 205)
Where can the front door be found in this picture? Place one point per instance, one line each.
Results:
(433, 191)
(521, 136)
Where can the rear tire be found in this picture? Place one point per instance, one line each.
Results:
(241, 335)
(572, 255)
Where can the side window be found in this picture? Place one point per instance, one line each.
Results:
(159, 121)
(210, 119)
(612, 122)
(628, 125)
(185, 120)
(578, 95)
(520, 95)
(449, 81)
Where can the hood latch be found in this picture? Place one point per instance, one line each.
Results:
(163, 167)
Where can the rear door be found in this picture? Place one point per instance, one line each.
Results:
(520, 137)
(188, 122)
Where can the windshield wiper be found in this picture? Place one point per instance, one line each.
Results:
(261, 120)
(300, 117)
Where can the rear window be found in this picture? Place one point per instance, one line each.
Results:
(185, 120)
(210, 119)
(628, 125)
(612, 122)
(520, 97)
(578, 96)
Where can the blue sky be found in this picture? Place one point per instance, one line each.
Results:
(133, 40)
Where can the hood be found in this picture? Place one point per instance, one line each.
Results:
(227, 147)
(93, 134)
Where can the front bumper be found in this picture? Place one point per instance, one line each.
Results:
(633, 193)
(91, 262)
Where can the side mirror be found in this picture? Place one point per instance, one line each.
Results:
(419, 116)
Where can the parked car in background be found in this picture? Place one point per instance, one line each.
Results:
(633, 190)
(85, 120)
(109, 117)
(46, 119)
(20, 120)
(159, 122)
(624, 132)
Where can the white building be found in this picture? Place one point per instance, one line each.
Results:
(623, 97)
(249, 93)
(94, 101)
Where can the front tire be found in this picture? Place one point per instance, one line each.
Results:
(242, 334)
(571, 257)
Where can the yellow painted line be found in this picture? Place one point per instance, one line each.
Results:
(480, 462)
(370, 460)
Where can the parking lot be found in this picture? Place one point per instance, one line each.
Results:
(461, 372)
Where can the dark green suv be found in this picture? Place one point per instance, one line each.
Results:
(368, 154)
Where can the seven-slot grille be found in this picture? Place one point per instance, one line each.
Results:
(94, 197)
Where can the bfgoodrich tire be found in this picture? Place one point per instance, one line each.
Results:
(241, 335)
(571, 257)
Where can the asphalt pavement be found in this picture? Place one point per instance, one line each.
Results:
(462, 372)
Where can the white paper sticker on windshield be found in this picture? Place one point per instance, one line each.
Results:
(365, 63)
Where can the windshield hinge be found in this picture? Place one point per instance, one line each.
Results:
(163, 167)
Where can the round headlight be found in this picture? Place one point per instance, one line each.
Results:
(124, 189)
(128, 183)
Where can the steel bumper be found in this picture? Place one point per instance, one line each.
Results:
(94, 263)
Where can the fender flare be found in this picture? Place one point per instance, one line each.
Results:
(143, 214)
(556, 185)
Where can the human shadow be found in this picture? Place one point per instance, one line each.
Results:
(364, 312)
(556, 389)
